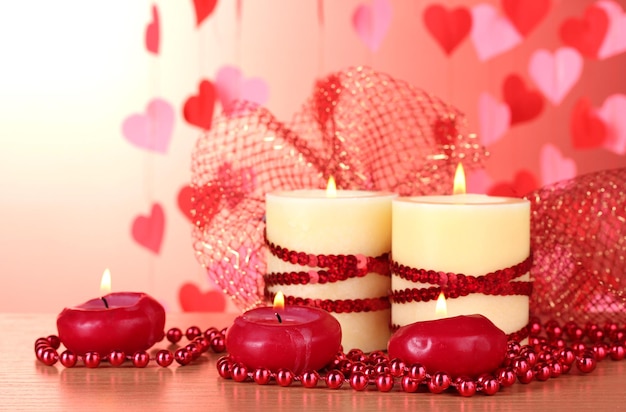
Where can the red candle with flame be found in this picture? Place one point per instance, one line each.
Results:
(126, 321)
(459, 346)
(298, 338)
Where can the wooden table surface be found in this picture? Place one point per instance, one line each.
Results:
(27, 384)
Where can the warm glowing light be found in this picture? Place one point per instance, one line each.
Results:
(441, 309)
(459, 180)
(331, 187)
(105, 283)
(279, 301)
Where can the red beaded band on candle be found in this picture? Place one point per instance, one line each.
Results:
(337, 306)
(200, 342)
(454, 285)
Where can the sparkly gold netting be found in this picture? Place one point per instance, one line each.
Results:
(371, 131)
(365, 128)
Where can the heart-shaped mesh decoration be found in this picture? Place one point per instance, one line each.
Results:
(578, 239)
(366, 129)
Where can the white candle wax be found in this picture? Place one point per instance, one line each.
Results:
(465, 234)
(350, 223)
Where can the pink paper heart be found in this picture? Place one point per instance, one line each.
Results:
(148, 230)
(555, 75)
(495, 119)
(372, 22)
(153, 32)
(232, 86)
(615, 39)
(153, 130)
(612, 113)
(492, 34)
(554, 166)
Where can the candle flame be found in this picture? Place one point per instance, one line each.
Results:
(331, 187)
(105, 282)
(459, 180)
(441, 308)
(279, 301)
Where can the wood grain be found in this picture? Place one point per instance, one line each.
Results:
(26, 384)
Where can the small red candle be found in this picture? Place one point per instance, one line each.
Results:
(298, 338)
(126, 321)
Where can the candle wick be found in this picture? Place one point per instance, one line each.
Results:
(278, 317)
(106, 304)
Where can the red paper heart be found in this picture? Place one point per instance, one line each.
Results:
(588, 131)
(192, 300)
(203, 9)
(184, 201)
(525, 14)
(198, 109)
(153, 32)
(448, 27)
(148, 230)
(586, 34)
(525, 104)
(523, 183)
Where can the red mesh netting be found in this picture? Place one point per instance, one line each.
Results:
(578, 238)
(366, 129)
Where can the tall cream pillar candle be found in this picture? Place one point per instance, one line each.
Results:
(466, 234)
(349, 223)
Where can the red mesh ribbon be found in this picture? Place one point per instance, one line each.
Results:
(367, 129)
(578, 239)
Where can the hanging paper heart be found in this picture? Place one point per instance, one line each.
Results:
(615, 39)
(198, 109)
(191, 299)
(371, 23)
(449, 28)
(203, 9)
(153, 32)
(495, 119)
(148, 230)
(524, 182)
(525, 104)
(586, 34)
(367, 129)
(525, 14)
(588, 131)
(555, 166)
(555, 75)
(612, 114)
(184, 201)
(153, 130)
(232, 87)
(491, 33)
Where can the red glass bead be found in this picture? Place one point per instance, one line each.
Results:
(91, 359)
(49, 356)
(521, 366)
(140, 359)
(578, 347)
(262, 376)
(68, 359)
(384, 382)
(417, 371)
(490, 386)
(526, 377)
(357, 367)
(567, 356)
(617, 352)
(355, 355)
(41, 341)
(239, 372)
(210, 332)
(513, 347)
(542, 371)
(54, 341)
(345, 366)
(174, 335)
(534, 327)
(284, 377)
(164, 358)
(382, 368)
(310, 378)
(203, 343)
(224, 367)
(396, 367)
(439, 382)
(555, 369)
(565, 368)
(358, 381)
(600, 350)
(116, 357)
(192, 332)
(334, 379)
(465, 386)
(218, 344)
(40, 350)
(409, 384)
(596, 335)
(194, 350)
(506, 377)
(182, 356)
(531, 356)
(586, 363)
